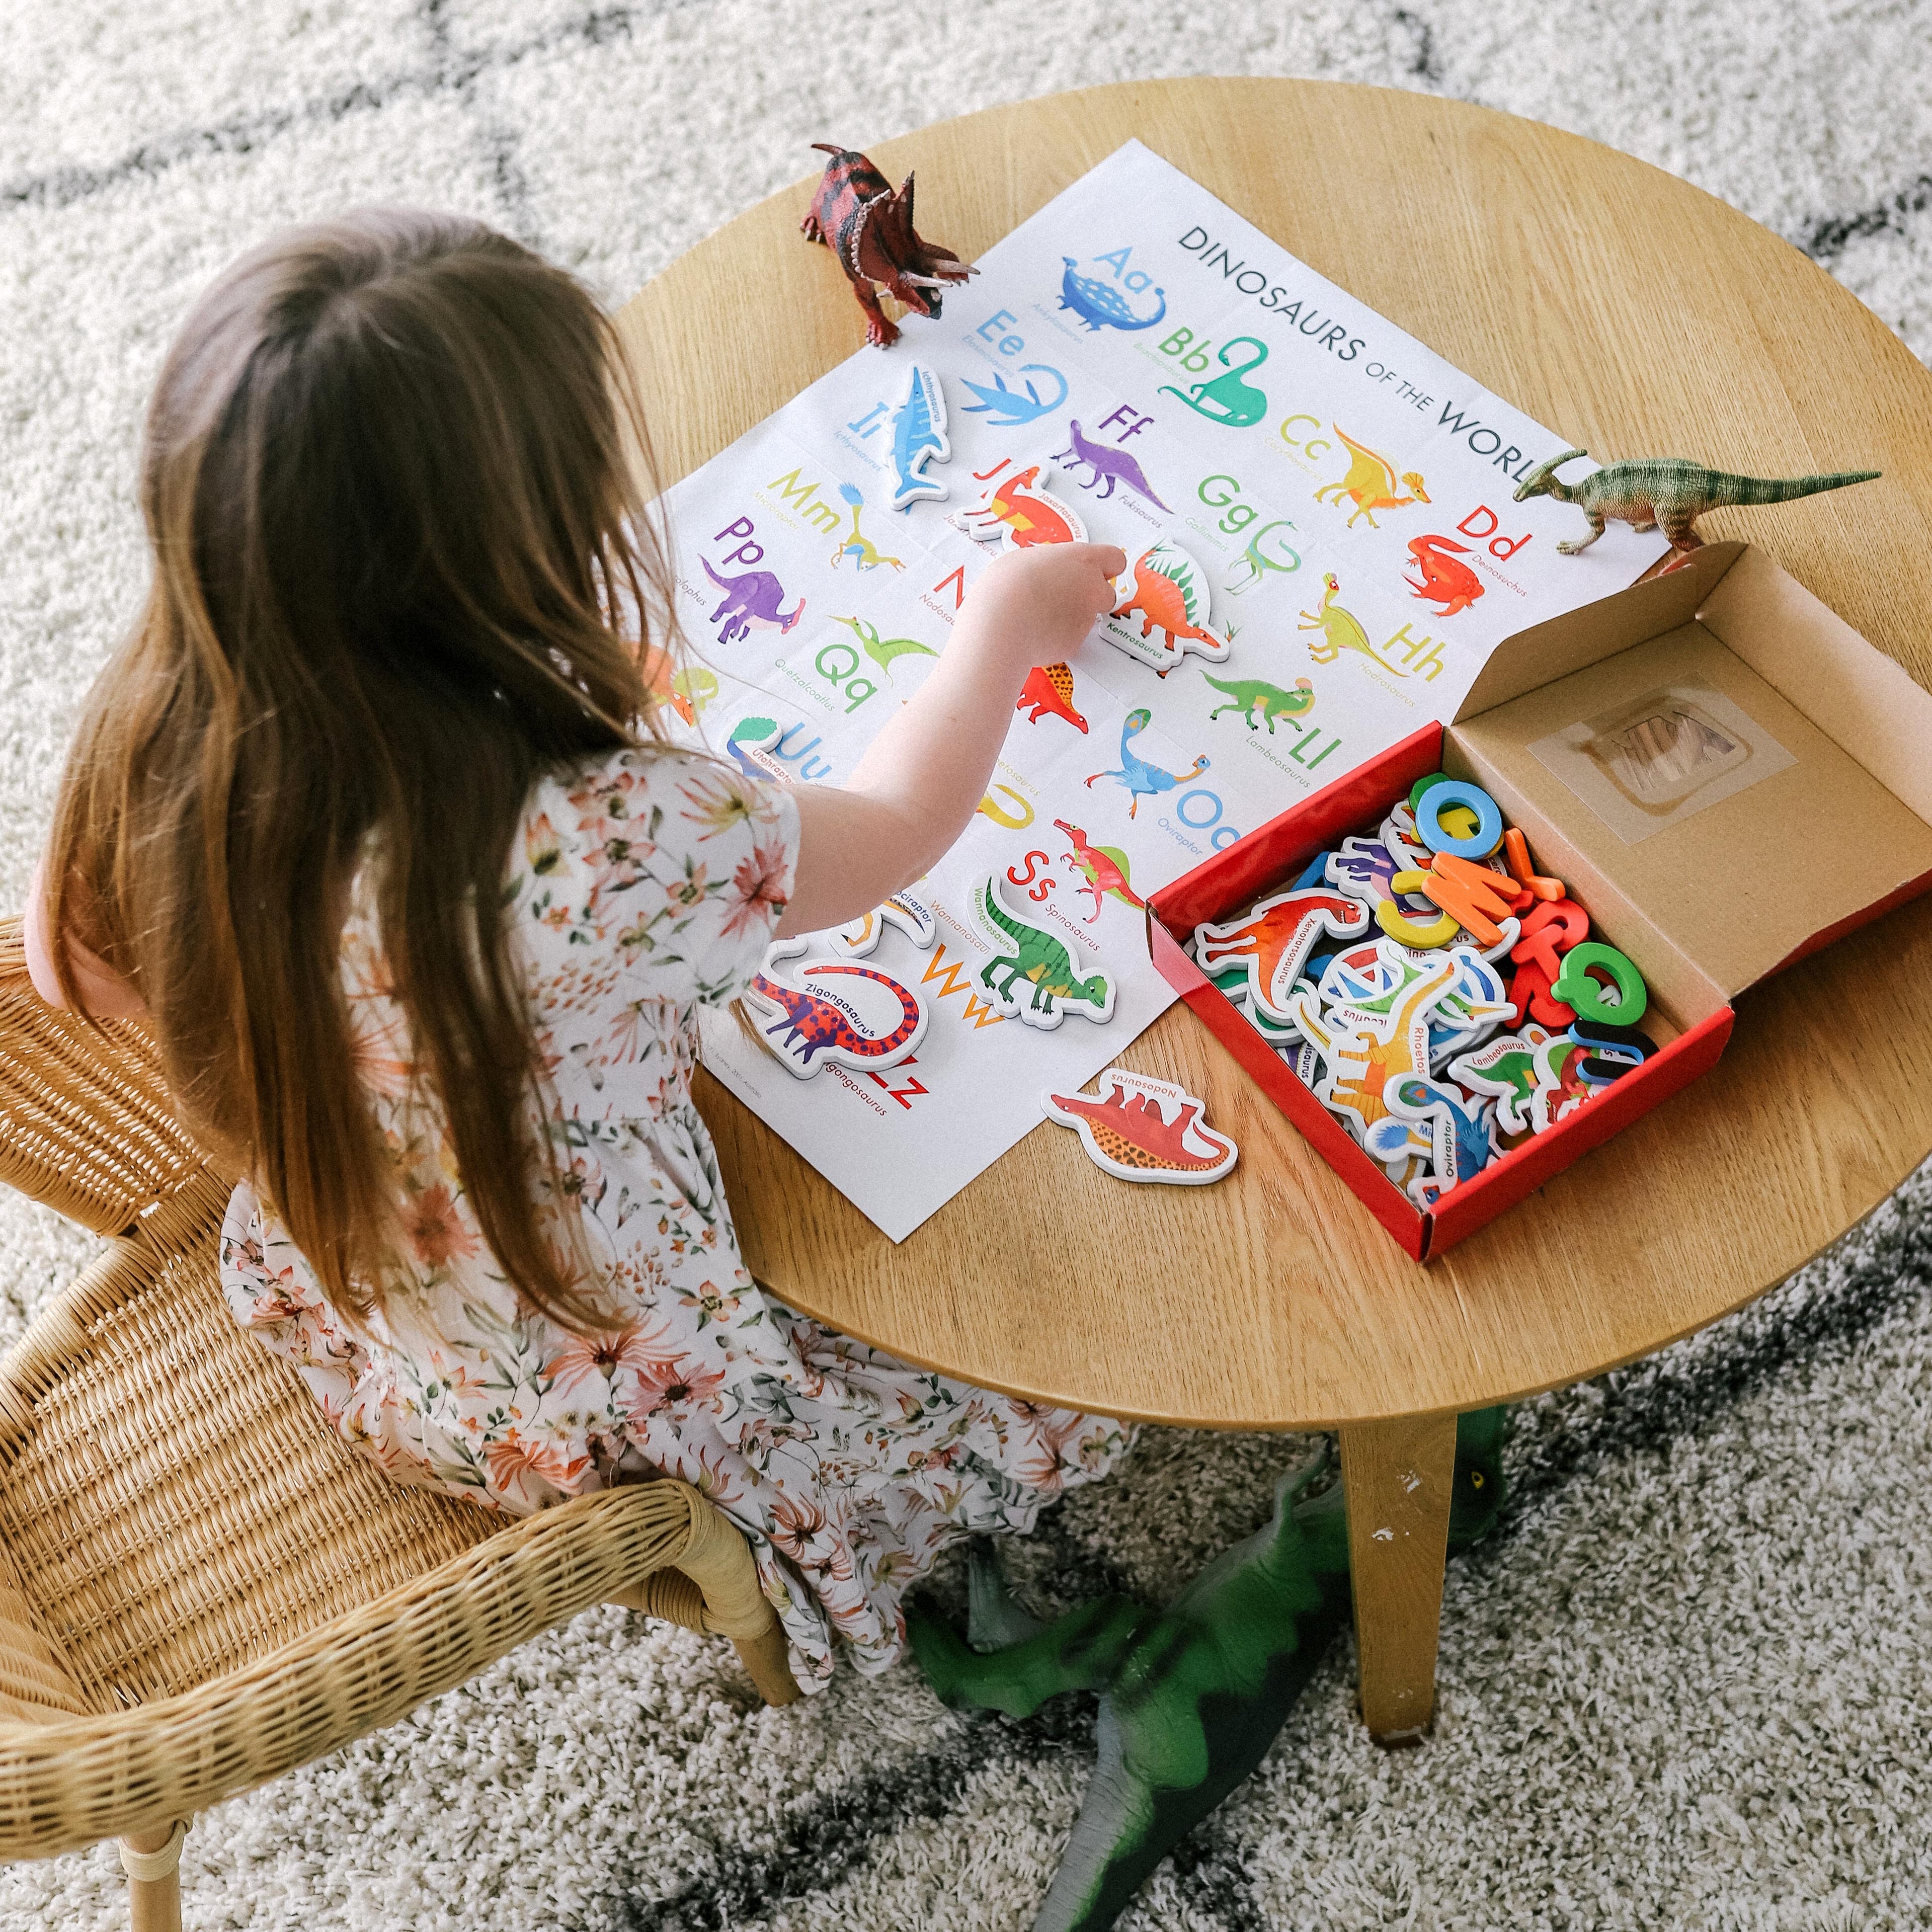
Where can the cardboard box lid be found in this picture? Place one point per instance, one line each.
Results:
(1720, 753)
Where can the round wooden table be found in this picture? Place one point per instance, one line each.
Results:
(1635, 315)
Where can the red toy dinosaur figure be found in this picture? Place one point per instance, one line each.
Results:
(1050, 687)
(857, 215)
(1275, 939)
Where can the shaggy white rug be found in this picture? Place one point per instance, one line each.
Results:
(1685, 1686)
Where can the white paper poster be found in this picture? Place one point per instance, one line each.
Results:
(1329, 553)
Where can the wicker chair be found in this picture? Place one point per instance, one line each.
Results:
(201, 1587)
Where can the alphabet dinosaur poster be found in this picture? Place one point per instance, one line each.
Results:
(1323, 551)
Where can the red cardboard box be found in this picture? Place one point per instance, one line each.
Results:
(1727, 775)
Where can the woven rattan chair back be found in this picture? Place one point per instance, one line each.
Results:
(201, 1585)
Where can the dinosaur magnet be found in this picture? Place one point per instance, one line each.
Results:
(868, 228)
(1505, 1069)
(827, 1022)
(1578, 987)
(1141, 1129)
(919, 437)
(1170, 591)
(859, 938)
(1018, 510)
(1048, 964)
(1364, 1050)
(1488, 834)
(1561, 1088)
(1461, 1142)
(1274, 940)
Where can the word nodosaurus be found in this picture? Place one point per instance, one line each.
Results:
(1191, 1696)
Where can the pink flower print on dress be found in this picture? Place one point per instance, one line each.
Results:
(514, 1460)
(760, 889)
(665, 1382)
(627, 1350)
(436, 1230)
(541, 846)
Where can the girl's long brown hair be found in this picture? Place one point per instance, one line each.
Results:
(401, 568)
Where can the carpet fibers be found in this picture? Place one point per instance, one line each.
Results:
(1683, 1686)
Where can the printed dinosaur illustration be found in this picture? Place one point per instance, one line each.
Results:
(1256, 699)
(1105, 867)
(884, 652)
(1275, 939)
(858, 546)
(1453, 586)
(1026, 515)
(691, 689)
(1561, 1088)
(750, 737)
(820, 1022)
(1227, 399)
(1050, 687)
(751, 603)
(1667, 493)
(1109, 465)
(1341, 630)
(1004, 407)
(1048, 964)
(1192, 1696)
(1371, 483)
(1098, 305)
(919, 437)
(1170, 593)
(1258, 563)
(1139, 777)
(1127, 1127)
(869, 228)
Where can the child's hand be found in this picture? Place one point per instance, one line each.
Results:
(1041, 602)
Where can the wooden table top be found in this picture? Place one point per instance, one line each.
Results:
(1632, 314)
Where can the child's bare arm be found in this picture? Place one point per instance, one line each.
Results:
(923, 777)
(103, 991)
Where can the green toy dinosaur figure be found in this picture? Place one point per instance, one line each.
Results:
(1192, 1696)
(1666, 492)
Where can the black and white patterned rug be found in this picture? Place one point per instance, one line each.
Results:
(1683, 1686)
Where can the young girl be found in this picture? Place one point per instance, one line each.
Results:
(371, 821)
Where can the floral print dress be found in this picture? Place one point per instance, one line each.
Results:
(645, 886)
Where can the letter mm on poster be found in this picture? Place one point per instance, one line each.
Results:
(1322, 550)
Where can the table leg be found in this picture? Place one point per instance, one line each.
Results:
(1398, 1477)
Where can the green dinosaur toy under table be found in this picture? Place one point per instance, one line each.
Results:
(1191, 1696)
